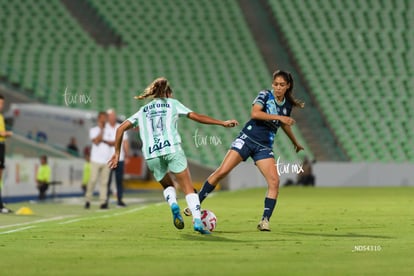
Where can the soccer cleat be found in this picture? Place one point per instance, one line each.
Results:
(263, 225)
(199, 227)
(87, 205)
(121, 204)
(177, 218)
(5, 210)
(104, 206)
(187, 212)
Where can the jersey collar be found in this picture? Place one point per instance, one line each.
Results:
(279, 104)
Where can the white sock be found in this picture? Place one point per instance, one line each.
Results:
(170, 195)
(194, 204)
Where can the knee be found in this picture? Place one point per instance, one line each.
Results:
(273, 183)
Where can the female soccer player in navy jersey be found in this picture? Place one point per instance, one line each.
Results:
(270, 110)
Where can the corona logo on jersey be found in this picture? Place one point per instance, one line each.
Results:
(156, 105)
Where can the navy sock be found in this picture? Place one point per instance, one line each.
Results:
(269, 205)
(205, 190)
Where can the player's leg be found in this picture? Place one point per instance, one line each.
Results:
(111, 172)
(43, 188)
(230, 161)
(3, 208)
(1, 200)
(91, 184)
(268, 169)
(170, 195)
(193, 203)
(104, 172)
(1, 187)
(159, 168)
(178, 166)
(2, 152)
(119, 175)
(39, 187)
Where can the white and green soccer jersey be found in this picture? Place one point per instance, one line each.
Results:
(157, 122)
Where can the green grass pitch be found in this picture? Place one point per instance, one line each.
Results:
(315, 231)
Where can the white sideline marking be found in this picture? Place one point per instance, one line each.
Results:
(30, 224)
(17, 230)
(105, 216)
(36, 221)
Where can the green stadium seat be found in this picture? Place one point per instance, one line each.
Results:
(206, 48)
(358, 54)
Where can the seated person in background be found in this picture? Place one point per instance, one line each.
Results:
(72, 148)
(306, 178)
(43, 177)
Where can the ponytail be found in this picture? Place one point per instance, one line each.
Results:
(159, 88)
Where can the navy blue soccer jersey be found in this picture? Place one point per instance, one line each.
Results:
(263, 132)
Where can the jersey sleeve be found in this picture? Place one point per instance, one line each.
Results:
(134, 119)
(261, 98)
(182, 110)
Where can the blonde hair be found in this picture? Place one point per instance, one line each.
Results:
(159, 88)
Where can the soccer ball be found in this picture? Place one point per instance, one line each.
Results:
(209, 220)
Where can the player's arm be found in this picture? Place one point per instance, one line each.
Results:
(6, 133)
(288, 130)
(258, 114)
(204, 119)
(113, 162)
(99, 138)
(125, 145)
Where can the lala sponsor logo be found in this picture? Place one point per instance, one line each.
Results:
(158, 145)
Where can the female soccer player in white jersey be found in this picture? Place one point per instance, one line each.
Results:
(270, 110)
(157, 122)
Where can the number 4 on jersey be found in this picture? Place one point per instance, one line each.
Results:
(157, 124)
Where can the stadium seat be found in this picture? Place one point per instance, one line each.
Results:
(357, 59)
(205, 49)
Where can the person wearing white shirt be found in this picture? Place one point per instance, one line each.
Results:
(112, 125)
(100, 153)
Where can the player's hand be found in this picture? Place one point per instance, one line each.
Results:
(298, 148)
(9, 133)
(230, 123)
(113, 162)
(287, 120)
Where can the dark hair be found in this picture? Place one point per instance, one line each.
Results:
(289, 79)
(157, 89)
(43, 157)
(102, 113)
(1, 97)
